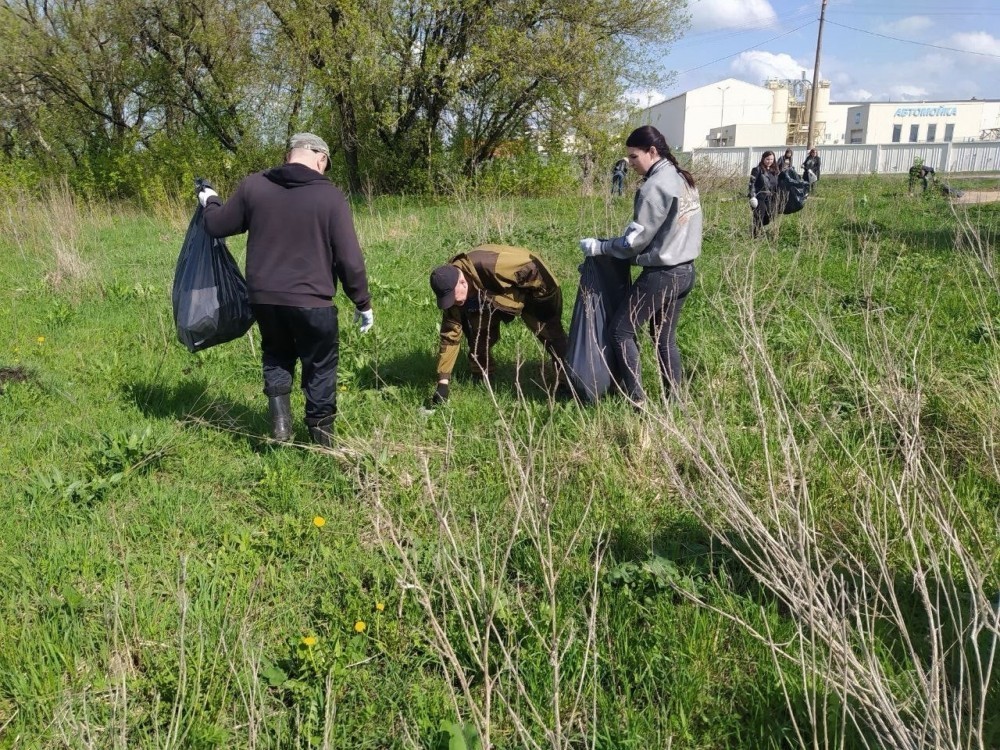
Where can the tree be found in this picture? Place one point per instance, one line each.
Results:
(402, 72)
(73, 60)
(391, 84)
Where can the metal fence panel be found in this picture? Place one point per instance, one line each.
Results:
(848, 159)
(897, 158)
(975, 157)
(727, 161)
(892, 158)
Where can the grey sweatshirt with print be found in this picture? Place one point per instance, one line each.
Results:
(667, 223)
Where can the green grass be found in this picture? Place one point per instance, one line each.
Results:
(524, 570)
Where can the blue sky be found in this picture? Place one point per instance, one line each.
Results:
(861, 66)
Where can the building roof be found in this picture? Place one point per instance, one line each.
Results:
(706, 86)
(914, 102)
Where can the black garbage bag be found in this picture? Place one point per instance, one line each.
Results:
(792, 191)
(948, 190)
(590, 359)
(210, 299)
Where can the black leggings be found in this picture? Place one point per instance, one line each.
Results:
(657, 297)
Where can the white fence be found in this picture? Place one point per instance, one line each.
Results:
(894, 158)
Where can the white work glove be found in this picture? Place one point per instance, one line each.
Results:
(753, 201)
(365, 320)
(204, 194)
(592, 246)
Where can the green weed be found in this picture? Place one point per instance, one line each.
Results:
(527, 572)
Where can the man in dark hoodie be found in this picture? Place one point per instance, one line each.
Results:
(301, 241)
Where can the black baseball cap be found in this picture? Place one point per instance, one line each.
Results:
(444, 279)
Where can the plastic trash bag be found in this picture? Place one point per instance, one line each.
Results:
(792, 191)
(590, 359)
(210, 299)
(947, 189)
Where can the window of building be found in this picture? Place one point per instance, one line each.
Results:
(857, 136)
(914, 133)
(897, 133)
(949, 132)
(931, 133)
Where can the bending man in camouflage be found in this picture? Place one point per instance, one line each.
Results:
(485, 287)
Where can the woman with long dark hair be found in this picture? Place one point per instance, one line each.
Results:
(762, 191)
(811, 168)
(663, 239)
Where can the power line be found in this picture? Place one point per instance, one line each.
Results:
(910, 41)
(965, 13)
(712, 36)
(766, 41)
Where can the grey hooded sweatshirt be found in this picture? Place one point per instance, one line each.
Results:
(666, 228)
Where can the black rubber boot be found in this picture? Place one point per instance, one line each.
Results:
(280, 408)
(322, 432)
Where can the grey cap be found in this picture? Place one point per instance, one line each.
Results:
(310, 141)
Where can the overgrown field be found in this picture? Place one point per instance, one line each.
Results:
(802, 552)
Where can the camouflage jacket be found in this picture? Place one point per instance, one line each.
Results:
(500, 279)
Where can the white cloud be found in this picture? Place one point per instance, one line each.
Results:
(710, 15)
(858, 95)
(757, 66)
(976, 41)
(907, 92)
(644, 97)
(935, 65)
(908, 26)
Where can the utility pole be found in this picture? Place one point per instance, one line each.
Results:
(815, 82)
(722, 113)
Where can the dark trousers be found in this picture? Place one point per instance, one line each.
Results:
(309, 334)
(542, 315)
(656, 297)
(763, 214)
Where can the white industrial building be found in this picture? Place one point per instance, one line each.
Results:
(923, 122)
(734, 113)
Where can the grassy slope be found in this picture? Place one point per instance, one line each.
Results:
(160, 563)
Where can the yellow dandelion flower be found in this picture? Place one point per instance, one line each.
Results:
(380, 606)
(319, 522)
(359, 626)
(343, 388)
(310, 640)
(41, 339)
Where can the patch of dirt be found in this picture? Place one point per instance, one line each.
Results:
(13, 375)
(979, 196)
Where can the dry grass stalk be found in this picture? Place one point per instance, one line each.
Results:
(475, 580)
(849, 596)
